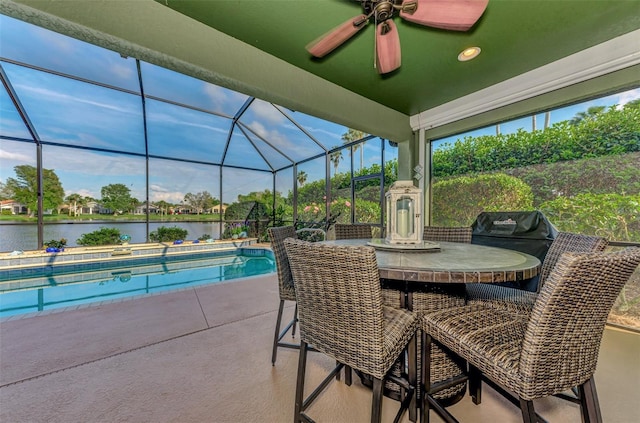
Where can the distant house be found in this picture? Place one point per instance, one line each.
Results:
(92, 207)
(220, 208)
(104, 210)
(13, 206)
(142, 209)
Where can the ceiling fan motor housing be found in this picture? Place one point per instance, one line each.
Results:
(381, 9)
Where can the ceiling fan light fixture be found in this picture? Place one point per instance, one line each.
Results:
(469, 53)
(454, 15)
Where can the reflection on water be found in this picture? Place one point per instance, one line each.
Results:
(25, 237)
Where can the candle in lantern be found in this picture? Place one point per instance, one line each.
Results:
(403, 223)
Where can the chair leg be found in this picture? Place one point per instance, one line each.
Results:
(376, 403)
(277, 334)
(425, 378)
(302, 365)
(475, 384)
(295, 321)
(348, 374)
(413, 377)
(589, 405)
(528, 412)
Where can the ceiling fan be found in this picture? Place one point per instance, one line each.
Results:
(454, 15)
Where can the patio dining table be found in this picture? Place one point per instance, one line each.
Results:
(434, 277)
(451, 263)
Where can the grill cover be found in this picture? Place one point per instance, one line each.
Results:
(525, 231)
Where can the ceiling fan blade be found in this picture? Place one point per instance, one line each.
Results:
(456, 15)
(326, 43)
(388, 54)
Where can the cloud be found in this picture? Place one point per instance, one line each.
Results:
(277, 139)
(18, 156)
(58, 97)
(266, 111)
(122, 72)
(87, 193)
(627, 96)
(323, 135)
(223, 101)
(94, 163)
(170, 197)
(185, 118)
(157, 188)
(57, 43)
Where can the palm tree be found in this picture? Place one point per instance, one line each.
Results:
(302, 177)
(547, 119)
(163, 206)
(591, 112)
(354, 135)
(75, 199)
(336, 158)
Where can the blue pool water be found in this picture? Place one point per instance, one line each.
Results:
(49, 289)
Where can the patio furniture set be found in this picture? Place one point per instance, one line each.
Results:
(421, 327)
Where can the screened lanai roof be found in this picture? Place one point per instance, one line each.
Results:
(77, 94)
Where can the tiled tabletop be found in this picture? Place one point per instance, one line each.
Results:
(453, 263)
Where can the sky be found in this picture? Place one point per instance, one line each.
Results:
(72, 112)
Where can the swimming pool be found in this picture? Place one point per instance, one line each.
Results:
(49, 289)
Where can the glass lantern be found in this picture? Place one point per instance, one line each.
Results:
(403, 210)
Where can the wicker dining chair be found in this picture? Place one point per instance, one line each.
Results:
(286, 288)
(548, 352)
(448, 233)
(341, 314)
(522, 301)
(434, 297)
(390, 297)
(352, 231)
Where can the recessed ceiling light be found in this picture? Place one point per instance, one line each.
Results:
(469, 53)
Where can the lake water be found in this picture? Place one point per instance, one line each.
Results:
(25, 237)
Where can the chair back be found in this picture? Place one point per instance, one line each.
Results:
(277, 236)
(352, 231)
(569, 242)
(563, 334)
(339, 302)
(448, 233)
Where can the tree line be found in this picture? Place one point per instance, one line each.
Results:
(115, 198)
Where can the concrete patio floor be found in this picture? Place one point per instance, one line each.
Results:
(203, 355)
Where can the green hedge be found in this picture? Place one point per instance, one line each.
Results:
(615, 131)
(613, 216)
(458, 201)
(601, 175)
(103, 236)
(165, 234)
(341, 184)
